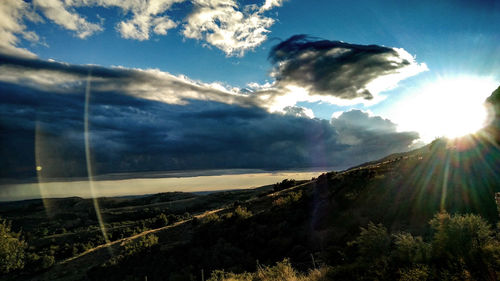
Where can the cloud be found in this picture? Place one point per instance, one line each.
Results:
(343, 79)
(331, 70)
(147, 17)
(223, 24)
(148, 84)
(299, 111)
(269, 4)
(147, 120)
(363, 133)
(226, 26)
(12, 15)
(62, 15)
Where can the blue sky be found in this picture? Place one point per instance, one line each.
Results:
(230, 65)
(446, 35)
(450, 37)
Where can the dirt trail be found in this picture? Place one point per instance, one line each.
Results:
(75, 268)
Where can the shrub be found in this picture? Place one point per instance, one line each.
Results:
(286, 183)
(415, 273)
(288, 199)
(409, 249)
(11, 249)
(141, 244)
(242, 212)
(459, 235)
(210, 218)
(373, 241)
(282, 271)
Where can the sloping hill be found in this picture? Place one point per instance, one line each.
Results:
(312, 223)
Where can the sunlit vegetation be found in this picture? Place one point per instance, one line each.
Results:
(281, 271)
(12, 249)
(287, 199)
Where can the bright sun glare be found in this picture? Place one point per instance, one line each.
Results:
(445, 108)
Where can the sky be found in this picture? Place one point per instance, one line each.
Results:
(92, 87)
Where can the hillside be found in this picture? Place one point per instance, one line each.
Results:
(314, 223)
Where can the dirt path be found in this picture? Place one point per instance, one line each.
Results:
(75, 268)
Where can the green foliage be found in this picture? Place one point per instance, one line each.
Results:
(141, 244)
(288, 199)
(373, 241)
(282, 271)
(35, 263)
(409, 249)
(286, 183)
(459, 235)
(161, 220)
(12, 249)
(211, 218)
(414, 273)
(242, 212)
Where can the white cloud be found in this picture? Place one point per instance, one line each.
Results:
(269, 4)
(147, 17)
(281, 96)
(12, 14)
(226, 26)
(62, 15)
(220, 23)
(162, 24)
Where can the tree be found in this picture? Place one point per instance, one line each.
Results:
(459, 235)
(373, 241)
(465, 245)
(286, 183)
(11, 248)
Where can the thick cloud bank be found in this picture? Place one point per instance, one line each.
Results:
(339, 69)
(148, 120)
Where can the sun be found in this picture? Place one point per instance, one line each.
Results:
(450, 107)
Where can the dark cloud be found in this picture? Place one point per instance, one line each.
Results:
(364, 133)
(44, 125)
(335, 68)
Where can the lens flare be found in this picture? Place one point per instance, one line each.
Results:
(89, 160)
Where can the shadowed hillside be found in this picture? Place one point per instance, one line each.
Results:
(349, 225)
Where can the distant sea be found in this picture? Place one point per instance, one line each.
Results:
(148, 183)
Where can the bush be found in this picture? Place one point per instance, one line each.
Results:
(11, 249)
(415, 273)
(211, 218)
(409, 249)
(141, 244)
(242, 212)
(288, 199)
(282, 271)
(161, 220)
(373, 241)
(459, 235)
(286, 183)
(37, 263)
